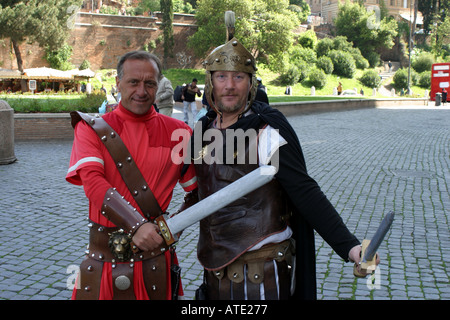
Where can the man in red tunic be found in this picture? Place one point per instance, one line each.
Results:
(136, 264)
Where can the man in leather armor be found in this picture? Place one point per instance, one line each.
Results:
(124, 162)
(262, 245)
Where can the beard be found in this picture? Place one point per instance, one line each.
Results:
(230, 109)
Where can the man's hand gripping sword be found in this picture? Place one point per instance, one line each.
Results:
(369, 248)
(170, 227)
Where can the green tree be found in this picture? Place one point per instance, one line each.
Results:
(440, 36)
(59, 59)
(433, 11)
(365, 29)
(301, 8)
(46, 22)
(263, 26)
(308, 39)
(149, 5)
(167, 27)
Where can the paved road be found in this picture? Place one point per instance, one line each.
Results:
(366, 161)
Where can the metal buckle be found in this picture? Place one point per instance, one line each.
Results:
(120, 245)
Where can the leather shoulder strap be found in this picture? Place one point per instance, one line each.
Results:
(125, 164)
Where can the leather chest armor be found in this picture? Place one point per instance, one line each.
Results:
(231, 231)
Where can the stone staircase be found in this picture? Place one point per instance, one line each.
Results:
(387, 74)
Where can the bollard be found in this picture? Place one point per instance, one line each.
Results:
(6, 133)
(313, 91)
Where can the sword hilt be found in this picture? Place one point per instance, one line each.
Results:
(161, 222)
(365, 267)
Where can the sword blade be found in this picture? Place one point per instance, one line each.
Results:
(378, 237)
(221, 198)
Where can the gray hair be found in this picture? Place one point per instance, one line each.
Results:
(138, 55)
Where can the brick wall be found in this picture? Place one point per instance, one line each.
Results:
(102, 39)
(42, 126)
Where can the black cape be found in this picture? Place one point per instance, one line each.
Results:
(311, 210)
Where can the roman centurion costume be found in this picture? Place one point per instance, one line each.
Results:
(124, 163)
(262, 245)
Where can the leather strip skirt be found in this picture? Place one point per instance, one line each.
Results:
(264, 274)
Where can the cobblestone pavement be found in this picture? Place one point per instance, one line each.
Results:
(367, 162)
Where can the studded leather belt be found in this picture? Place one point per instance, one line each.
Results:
(154, 268)
(112, 245)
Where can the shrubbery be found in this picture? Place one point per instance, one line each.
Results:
(324, 46)
(400, 80)
(360, 61)
(308, 39)
(318, 78)
(325, 64)
(338, 56)
(423, 62)
(291, 76)
(371, 79)
(425, 79)
(303, 69)
(307, 55)
(343, 63)
(56, 103)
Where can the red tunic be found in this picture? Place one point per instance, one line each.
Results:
(149, 141)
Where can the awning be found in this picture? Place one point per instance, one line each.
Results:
(45, 73)
(410, 17)
(86, 73)
(10, 74)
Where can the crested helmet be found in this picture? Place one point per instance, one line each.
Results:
(231, 56)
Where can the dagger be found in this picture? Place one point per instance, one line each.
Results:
(370, 247)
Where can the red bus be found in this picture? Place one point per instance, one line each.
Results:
(440, 79)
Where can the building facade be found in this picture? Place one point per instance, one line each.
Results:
(328, 9)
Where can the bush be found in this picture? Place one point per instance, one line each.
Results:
(291, 76)
(325, 64)
(318, 78)
(400, 80)
(371, 79)
(423, 62)
(373, 58)
(343, 63)
(308, 39)
(306, 54)
(360, 61)
(446, 51)
(341, 43)
(59, 59)
(425, 79)
(56, 103)
(324, 46)
(303, 69)
(85, 65)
